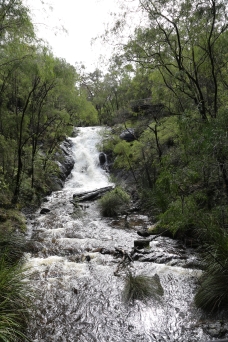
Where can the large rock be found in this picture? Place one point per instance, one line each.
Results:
(44, 211)
(102, 158)
(142, 243)
(67, 161)
(128, 135)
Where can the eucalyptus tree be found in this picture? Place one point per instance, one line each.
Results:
(183, 41)
(46, 105)
(15, 22)
(16, 40)
(112, 92)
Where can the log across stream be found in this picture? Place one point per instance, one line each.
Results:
(78, 280)
(91, 195)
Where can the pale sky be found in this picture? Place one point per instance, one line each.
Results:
(83, 19)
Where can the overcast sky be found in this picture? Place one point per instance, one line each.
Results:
(83, 19)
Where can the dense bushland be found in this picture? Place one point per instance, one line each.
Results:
(39, 105)
(168, 81)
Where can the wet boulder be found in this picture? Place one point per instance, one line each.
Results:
(33, 246)
(44, 211)
(144, 243)
(66, 163)
(216, 329)
(143, 233)
(102, 158)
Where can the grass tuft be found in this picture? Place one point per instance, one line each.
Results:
(16, 295)
(15, 300)
(141, 287)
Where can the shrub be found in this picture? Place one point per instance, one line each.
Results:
(112, 202)
(212, 294)
(141, 287)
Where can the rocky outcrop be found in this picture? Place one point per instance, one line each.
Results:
(102, 158)
(103, 161)
(128, 135)
(65, 161)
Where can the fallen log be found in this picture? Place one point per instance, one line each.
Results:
(91, 195)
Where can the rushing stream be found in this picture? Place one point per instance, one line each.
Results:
(79, 297)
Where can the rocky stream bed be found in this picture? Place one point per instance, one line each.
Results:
(79, 262)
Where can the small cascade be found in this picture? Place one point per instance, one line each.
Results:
(74, 264)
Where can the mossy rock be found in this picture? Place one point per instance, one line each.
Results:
(11, 220)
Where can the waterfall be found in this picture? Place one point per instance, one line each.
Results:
(79, 297)
(86, 175)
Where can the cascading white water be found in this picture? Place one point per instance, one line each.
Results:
(79, 296)
(86, 175)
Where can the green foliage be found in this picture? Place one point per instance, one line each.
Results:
(126, 154)
(112, 202)
(15, 299)
(86, 114)
(182, 48)
(39, 104)
(180, 215)
(11, 219)
(212, 231)
(141, 287)
(12, 246)
(212, 293)
(16, 295)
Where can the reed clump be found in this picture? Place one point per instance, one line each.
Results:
(212, 294)
(141, 287)
(15, 293)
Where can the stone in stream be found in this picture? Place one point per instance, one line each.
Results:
(143, 233)
(142, 243)
(102, 158)
(75, 291)
(87, 257)
(44, 211)
(217, 329)
(33, 246)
